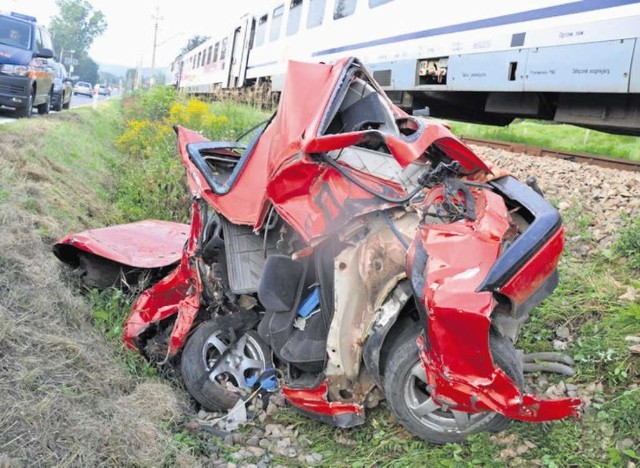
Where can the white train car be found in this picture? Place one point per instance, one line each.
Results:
(218, 63)
(563, 60)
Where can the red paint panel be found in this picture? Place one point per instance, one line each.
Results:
(245, 202)
(282, 171)
(529, 278)
(178, 293)
(314, 400)
(458, 360)
(144, 244)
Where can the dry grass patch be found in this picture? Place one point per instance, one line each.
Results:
(66, 399)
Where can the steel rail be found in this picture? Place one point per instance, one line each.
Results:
(582, 158)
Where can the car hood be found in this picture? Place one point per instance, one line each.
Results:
(14, 56)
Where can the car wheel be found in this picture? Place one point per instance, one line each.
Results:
(58, 105)
(45, 107)
(237, 363)
(67, 104)
(25, 112)
(405, 386)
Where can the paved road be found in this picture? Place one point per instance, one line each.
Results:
(6, 113)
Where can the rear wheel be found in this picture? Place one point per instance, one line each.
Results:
(405, 385)
(237, 363)
(67, 104)
(58, 106)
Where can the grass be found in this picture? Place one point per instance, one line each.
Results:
(556, 136)
(73, 395)
(68, 397)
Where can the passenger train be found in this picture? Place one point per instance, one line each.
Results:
(487, 62)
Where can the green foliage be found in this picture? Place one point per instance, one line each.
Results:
(152, 182)
(556, 136)
(192, 43)
(628, 244)
(110, 309)
(76, 25)
(87, 69)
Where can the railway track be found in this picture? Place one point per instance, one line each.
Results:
(582, 158)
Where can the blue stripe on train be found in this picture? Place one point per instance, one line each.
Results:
(541, 13)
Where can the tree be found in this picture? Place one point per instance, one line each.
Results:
(192, 43)
(76, 26)
(87, 69)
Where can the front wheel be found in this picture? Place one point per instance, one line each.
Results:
(45, 107)
(405, 385)
(25, 112)
(238, 362)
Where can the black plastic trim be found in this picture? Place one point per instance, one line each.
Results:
(546, 223)
(544, 290)
(195, 151)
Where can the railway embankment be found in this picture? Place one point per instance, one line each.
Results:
(596, 202)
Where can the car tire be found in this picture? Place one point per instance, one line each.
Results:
(58, 105)
(407, 395)
(221, 390)
(45, 107)
(25, 112)
(67, 104)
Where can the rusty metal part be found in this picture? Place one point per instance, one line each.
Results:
(365, 274)
(582, 158)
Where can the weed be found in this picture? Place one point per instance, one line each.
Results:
(628, 244)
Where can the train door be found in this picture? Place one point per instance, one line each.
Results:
(239, 54)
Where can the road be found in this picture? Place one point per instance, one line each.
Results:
(6, 113)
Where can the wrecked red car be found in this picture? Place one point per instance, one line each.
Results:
(361, 252)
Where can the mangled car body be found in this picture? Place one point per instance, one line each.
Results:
(365, 254)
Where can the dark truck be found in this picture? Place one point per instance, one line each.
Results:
(26, 56)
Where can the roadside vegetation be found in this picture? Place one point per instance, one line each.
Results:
(555, 136)
(72, 395)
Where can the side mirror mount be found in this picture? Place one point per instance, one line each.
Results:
(44, 53)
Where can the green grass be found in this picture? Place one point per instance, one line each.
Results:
(556, 136)
(69, 156)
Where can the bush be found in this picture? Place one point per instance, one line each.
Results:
(152, 182)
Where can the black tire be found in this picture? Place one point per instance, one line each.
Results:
(45, 107)
(98, 272)
(58, 106)
(25, 112)
(221, 390)
(67, 105)
(409, 399)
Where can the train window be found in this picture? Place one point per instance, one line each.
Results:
(276, 21)
(223, 48)
(295, 12)
(375, 3)
(198, 62)
(316, 13)
(344, 8)
(261, 31)
(215, 52)
(209, 55)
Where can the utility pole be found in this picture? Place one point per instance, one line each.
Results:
(156, 18)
